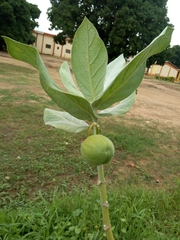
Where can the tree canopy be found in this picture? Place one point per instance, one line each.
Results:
(18, 19)
(125, 26)
(175, 55)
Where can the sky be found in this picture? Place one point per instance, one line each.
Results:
(173, 14)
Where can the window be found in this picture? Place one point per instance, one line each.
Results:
(48, 46)
(57, 47)
(68, 51)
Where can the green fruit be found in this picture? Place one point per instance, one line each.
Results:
(97, 149)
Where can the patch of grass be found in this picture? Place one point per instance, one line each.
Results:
(136, 214)
(35, 157)
(13, 69)
(144, 153)
(42, 157)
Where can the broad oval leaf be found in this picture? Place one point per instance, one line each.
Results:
(123, 107)
(64, 121)
(67, 80)
(89, 61)
(77, 106)
(131, 75)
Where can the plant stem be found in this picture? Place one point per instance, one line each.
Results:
(104, 203)
(103, 194)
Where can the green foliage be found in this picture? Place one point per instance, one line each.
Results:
(100, 89)
(160, 58)
(171, 79)
(137, 214)
(171, 54)
(175, 55)
(89, 61)
(64, 121)
(124, 26)
(18, 19)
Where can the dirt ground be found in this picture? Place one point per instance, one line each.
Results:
(157, 100)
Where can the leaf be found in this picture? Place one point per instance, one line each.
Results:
(123, 230)
(64, 121)
(75, 105)
(123, 107)
(89, 60)
(131, 75)
(67, 80)
(113, 69)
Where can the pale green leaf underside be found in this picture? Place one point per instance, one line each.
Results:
(64, 121)
(67, 80)
(123, 107)
(89, 60)
(113, 69)
(75, 105)
(131, 75)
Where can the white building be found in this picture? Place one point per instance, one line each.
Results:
(45, 44)
(167, 70)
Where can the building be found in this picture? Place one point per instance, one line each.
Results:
(168, 70)
(45, 44)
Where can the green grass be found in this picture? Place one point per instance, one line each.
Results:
(36, 159)
(136, 214)
(10, 69)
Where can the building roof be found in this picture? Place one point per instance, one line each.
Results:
(169, 63)
(44, 33)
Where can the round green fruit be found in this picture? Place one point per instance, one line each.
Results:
(97, 149)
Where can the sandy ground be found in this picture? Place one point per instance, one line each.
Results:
(156, 100)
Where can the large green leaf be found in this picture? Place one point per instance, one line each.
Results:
(119, 109)
(64, 121)
(89, 60)
(131, 76)
(67, 79)
(75, 105)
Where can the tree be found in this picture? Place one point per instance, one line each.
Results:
(175, 55)
(18, 19)
(160, 58)
(125, 26)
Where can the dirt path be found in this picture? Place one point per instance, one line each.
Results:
(156, 100)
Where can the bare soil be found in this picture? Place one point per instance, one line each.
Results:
(157, 100)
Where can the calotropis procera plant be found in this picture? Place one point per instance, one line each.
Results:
(101, 89)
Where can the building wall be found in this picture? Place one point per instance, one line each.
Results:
(173, 73)
(45, 44)
(57, 50)
(155, 69)
(165, 71)
(168, 70)
(48, 45)
(38, 43)
(177, 80)
(66, 51)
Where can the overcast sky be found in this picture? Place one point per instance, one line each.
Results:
(173, 14)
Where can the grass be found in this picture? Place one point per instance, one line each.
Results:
(36, 160)
(140, 214)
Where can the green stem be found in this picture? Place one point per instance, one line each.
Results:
(104, 203)
(103, 197)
